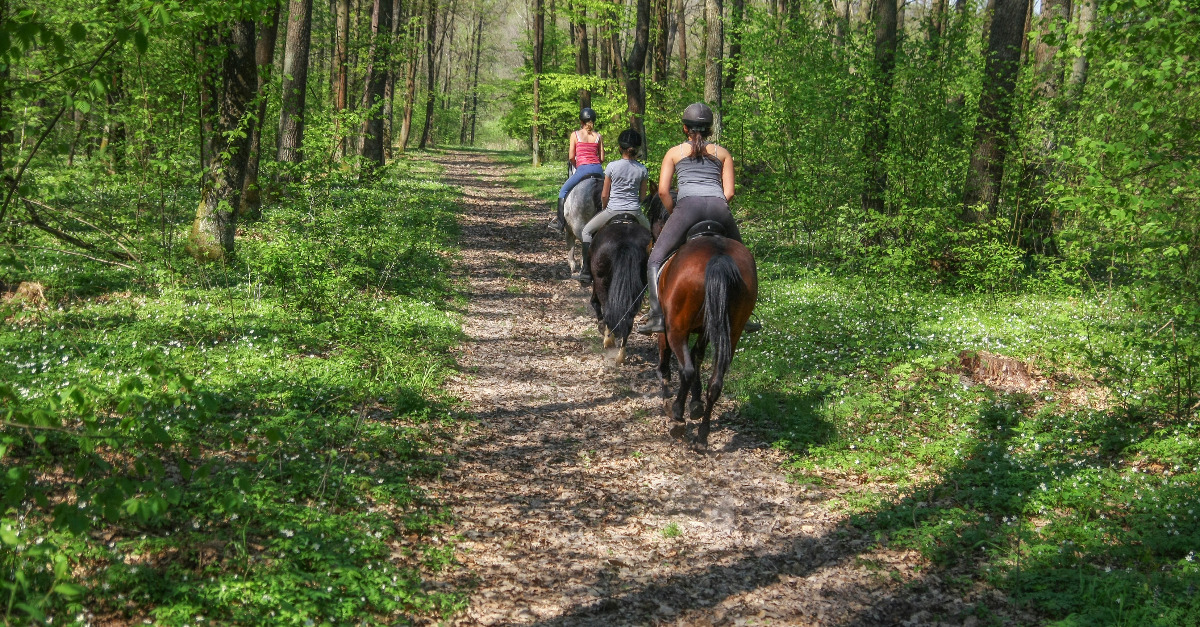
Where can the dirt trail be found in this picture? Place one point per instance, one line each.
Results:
(577, 509)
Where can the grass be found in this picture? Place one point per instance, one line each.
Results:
(1079, 500)
(293, 401)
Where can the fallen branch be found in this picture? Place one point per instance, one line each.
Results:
(75, 216)
(36, 221)
(79, 254)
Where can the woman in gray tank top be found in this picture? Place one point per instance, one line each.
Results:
(705, 180)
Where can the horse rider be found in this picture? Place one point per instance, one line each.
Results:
(625, 186)
(585, 154)
(705, 187)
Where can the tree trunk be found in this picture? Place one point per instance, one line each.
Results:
(213, 230)
(879, 106)
(1079, 69)
(410, 86)
(662, 41)
(616, 65)
(389, 90)
(341, 65)
(937, 20)
(579, 36)
(475, 80)
(264, 58)
(431, 53)
(295, 85)
(1055, 15)
(635, 94)
(680, 19)
(714, 49)
(376, 81)
(6, 134)
(474, 87)
(539, 40)
(986, 172)
(735, 42)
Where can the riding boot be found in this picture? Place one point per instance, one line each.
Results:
(559, 223)
(654, 318)
(584, 275)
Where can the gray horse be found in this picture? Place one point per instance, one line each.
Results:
(582, 204)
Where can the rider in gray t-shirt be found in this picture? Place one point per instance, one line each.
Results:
(625, 185)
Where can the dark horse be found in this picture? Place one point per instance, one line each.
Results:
(619, 253)
(708, 288)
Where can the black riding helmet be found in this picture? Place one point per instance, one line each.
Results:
(698, 116)
(586, 114)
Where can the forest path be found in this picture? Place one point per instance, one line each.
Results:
(566, 490)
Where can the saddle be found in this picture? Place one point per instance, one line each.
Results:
(705, 228)
(621, 218)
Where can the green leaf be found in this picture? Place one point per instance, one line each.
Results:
(69, 589)
(78, 32)
(141, 42)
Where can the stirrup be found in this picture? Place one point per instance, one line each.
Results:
(555, 225)
(585, 279)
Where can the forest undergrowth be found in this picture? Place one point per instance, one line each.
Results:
(236, 443)
(1021, 436)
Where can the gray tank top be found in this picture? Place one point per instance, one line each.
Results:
(699, 178)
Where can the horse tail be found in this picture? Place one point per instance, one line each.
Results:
(722, 282)
(625, 289)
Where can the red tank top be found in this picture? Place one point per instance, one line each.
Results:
(586, 153)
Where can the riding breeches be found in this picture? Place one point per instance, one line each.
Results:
(581, 173)
(689, 212)
(602, 218)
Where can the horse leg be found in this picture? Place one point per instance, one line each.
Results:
(621, 354)
(715, 383)
(696, 406)
(608, 337)
(664, 372)
(687, 371)
(570, 251)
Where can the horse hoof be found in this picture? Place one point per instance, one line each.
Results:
(621, 356)
(677, 431)
(609, 342)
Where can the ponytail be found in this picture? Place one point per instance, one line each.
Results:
(698, 138)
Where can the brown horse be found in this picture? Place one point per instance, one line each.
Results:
(708, 288)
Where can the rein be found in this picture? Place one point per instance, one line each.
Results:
(636, 301)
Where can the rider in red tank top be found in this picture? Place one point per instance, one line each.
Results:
(586, 153)
(585, 157)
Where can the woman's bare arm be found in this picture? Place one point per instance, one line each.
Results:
(664, 182)
(571, 151)
(605, 193)
(727, 176)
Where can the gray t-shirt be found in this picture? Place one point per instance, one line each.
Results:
(627, 177)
